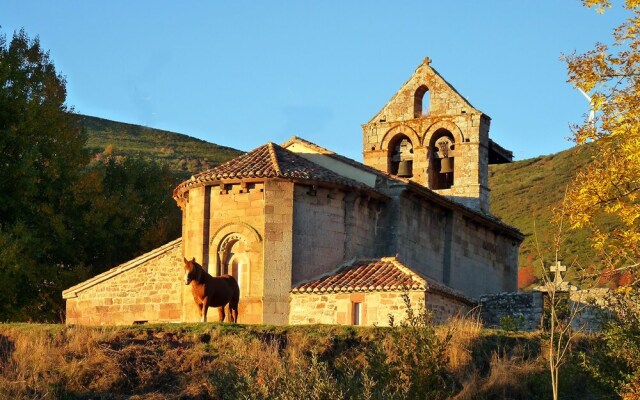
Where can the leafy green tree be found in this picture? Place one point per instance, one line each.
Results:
(41, 156)
(125, 208)
(63, 218)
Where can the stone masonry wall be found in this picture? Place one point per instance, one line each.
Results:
(365, 226)
(524, 310)
(421, 236)
(376, 307)
(319, 231)
(213, 214)
(147, 289)
(461, 253)
(445, 307)
(337, 308)
(330, 227)
(483, 260)
(194, 236)
(448, 111)
(278, 251)
(239, 210)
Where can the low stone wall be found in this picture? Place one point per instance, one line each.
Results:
(522, 311)
(592, 306)
(443, 308)
(146, 289)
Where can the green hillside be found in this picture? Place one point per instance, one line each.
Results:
(184, 155)
(524, 193)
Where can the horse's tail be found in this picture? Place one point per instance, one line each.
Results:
(235, 297)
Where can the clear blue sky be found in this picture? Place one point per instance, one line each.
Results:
(241, 73)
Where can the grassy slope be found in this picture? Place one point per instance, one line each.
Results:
(185, 155)
(199, 361)
(524, 193)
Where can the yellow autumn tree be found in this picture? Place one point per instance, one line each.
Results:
(609, 188)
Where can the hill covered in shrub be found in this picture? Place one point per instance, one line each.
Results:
(183, 154)
(525, 193)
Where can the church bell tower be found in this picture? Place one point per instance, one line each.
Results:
(430, 134)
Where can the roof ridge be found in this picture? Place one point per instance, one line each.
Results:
(406, 270)
(336, 156)
(361, 269)
(272, 161)
(334, 271)
(322, 150)
(274, 158)
(386, 280)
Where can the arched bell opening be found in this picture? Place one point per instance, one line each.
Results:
(441, 170)
(400, 161)
(421, 102)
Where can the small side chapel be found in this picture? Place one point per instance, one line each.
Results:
(315, 237)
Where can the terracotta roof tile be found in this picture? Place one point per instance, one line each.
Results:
(268, 161)
(346, 160)
(385, 274)
(364, 275)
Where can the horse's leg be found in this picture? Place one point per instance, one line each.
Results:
(205, 307)
(233, 310)
(221, 313)
(234, 313)
(199, 308)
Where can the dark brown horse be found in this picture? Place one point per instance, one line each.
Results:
(209, 291)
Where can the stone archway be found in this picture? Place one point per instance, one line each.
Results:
(236, 250)
(234, 259)
(399, 145)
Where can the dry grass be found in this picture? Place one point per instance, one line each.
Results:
(245, 362)
(466, 331)
(508, 377)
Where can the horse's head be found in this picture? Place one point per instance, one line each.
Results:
(191, 271)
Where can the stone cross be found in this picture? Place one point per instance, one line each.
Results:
(558, 268)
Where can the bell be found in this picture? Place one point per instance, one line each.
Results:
(446, 165)
(405, 169)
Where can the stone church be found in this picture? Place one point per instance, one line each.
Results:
(315, 237)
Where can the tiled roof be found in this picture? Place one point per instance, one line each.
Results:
(385, 274)
(346, 160)
(364, 275)
(267, 161)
